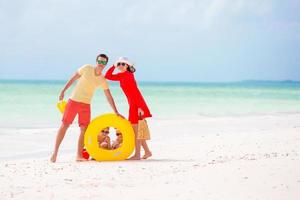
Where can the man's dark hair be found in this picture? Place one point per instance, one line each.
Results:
(102, 56)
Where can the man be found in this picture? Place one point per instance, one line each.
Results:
(89, 79)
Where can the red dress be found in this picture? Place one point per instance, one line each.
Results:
(133, 94)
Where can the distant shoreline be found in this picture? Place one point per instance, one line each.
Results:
(246, 82)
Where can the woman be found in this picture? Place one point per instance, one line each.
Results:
(137, 105)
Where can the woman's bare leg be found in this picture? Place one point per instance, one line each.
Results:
(137, 152)
(59, 137)
(147, 150)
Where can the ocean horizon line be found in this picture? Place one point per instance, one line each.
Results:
(60, 81)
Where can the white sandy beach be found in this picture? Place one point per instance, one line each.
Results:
(248, 157)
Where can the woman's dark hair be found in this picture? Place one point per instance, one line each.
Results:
(102, 56)
(130, 69)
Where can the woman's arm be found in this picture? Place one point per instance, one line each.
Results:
(110, 76)
(68, 84)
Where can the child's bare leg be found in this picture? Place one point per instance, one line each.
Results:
(59, 137)
(146, 148)
(137, 153)
(80, 144)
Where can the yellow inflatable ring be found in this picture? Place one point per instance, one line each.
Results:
(98, 124)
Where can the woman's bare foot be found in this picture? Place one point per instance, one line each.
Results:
(134, 158)
(147, 155)
(53, 158)
(80, 159)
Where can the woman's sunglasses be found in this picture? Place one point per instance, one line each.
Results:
(123, 64)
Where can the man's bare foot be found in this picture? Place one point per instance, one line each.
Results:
(134, 158)
(53, 158)
(80, 159)
(147, 155)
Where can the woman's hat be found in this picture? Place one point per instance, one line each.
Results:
(123, 60)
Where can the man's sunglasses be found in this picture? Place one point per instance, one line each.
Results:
(103, 62)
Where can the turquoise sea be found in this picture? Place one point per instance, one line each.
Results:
(32, 104)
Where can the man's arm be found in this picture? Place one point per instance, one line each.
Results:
(68, 84)
(111, 102)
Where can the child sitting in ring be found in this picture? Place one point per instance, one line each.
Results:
(104, 139)
(118, 142)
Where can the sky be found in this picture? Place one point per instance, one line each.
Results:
(168, 40)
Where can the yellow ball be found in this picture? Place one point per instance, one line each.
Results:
(100, 123)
